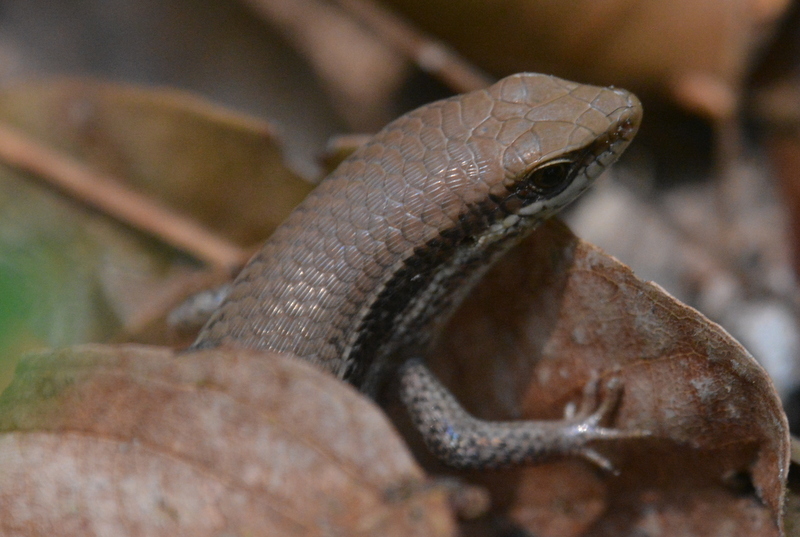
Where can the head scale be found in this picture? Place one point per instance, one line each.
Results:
(539, 141)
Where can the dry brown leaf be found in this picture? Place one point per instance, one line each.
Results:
(85, 277)
(557, 311)
(136, 440)
(643, 46)
(224, 169)
(361, 73)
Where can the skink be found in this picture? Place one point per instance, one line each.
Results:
(365, 272)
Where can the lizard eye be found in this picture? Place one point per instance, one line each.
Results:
(546, 180)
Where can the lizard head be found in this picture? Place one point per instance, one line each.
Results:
(544, 140)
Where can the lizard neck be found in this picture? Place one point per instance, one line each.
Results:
(379, 255)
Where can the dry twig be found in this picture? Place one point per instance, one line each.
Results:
(107, 194)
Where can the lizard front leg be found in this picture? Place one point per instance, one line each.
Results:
(461, 440)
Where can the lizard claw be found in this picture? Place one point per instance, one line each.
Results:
(599, 460)
(589, 417)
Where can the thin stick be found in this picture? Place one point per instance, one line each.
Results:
(107, 194)
(430, 54)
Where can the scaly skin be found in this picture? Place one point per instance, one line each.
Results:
(365, 272)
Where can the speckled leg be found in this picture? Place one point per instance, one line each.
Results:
(463, 441)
